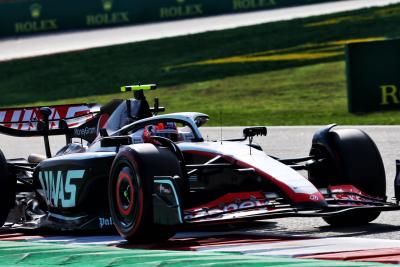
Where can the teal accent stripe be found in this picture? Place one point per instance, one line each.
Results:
(21, 253)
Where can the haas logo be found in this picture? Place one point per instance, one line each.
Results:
(27, 118)
(59, 187)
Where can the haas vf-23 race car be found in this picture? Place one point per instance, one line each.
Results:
(150, 175)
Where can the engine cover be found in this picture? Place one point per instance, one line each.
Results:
(75, 183)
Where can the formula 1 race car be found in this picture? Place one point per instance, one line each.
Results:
(148, 175)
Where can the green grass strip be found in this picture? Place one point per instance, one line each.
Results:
(19, 253)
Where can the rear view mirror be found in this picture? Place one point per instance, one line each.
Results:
(255, 131)
(201, 120)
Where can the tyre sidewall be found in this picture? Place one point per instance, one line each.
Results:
(354, 160)
(125, 159)
(147, 161)
(360, 162)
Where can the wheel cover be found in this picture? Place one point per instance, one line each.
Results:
(127, 197)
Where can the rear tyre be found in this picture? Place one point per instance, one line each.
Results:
(352, 158)
(131, 189)
(7, 190)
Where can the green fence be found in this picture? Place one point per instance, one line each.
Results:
(373, 76)
(19, 17)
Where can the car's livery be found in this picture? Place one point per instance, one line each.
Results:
(148, 186)
(26, 119)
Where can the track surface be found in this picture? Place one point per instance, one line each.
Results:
(281, 142)
(14, 48)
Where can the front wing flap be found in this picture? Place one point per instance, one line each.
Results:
(247, 206)
(344, 199)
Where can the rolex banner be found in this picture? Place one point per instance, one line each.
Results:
(373, 76)
(28, 17)
(18, 17)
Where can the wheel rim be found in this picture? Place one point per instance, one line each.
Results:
(126, 193)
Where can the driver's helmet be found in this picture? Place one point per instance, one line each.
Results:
(163, 129)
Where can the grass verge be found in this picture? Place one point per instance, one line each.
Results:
(283, 73)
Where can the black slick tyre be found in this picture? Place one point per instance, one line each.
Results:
(7, 190)
(351, 158)
(131, 188)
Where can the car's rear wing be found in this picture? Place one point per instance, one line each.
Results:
(63, 119)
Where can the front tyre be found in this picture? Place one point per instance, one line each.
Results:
(127, 200)
(353, 159)
(131, 189)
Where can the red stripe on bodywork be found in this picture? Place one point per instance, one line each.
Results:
(229, 198)
(58, 112)
(296, 197)
(341, 192)
(103, 120)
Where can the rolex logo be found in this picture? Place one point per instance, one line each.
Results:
(36, 23)
(107, 5)
(108, 17)
(183, 8)
(36, 10)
